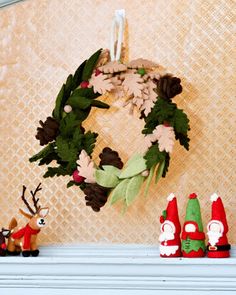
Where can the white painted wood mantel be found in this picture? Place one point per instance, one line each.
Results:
(113, 270)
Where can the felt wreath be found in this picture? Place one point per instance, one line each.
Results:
(146, 88)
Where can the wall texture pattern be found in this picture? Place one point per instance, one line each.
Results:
(42, 41)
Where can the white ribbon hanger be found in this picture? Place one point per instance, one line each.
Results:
(117, 27)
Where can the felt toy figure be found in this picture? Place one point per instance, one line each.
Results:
(217, 228)
(5, 233)
(25, 239)
(170, 243)
(193, 237)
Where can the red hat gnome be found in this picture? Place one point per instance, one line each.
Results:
(193, 237)
(170, 243)
(217, 228)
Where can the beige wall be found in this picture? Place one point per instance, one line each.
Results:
(42, 41)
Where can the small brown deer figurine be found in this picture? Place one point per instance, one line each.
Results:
(25, 239)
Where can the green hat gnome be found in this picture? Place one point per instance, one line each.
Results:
(193, 237)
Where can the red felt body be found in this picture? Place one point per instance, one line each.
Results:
(194, 254)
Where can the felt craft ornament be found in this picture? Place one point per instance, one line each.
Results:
(217, 229)
(25, 239)
(193, 237)
(145, 88)
(170, 243)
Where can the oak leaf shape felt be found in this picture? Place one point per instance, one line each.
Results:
(149, 96)
(141, 63)
(101, 83)
(86, 167)
(113, 67)
(133, 84)
(165, 136)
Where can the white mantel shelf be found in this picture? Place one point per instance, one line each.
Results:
(116, 269)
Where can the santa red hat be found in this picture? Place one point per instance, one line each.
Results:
(170, 215)
(218, 215)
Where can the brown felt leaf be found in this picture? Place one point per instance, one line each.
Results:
(101, 83)
(113, 67)
(86, 167)
(141, 63)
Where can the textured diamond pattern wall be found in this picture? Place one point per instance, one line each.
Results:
(42, 41)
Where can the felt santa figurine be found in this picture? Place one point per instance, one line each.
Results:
(170, 243)
(217, 228)
(193, 237)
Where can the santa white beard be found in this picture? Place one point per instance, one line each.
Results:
(214, 237)
(166, 236)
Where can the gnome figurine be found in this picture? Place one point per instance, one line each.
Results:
(193, 237)
(170, 243)
(217, 228)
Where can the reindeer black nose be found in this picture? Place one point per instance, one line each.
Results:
(41, 220)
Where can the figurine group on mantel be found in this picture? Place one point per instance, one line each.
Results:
(191, 242)
(24, 240)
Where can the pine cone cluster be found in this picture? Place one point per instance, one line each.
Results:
(110, 157)
(168, 87)
(48, 132)
(95, 195)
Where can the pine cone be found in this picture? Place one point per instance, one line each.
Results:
(48, 132)
(110, 157)
(168, 87)
(96, 196)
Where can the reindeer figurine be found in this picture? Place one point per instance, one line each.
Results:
(25, 239)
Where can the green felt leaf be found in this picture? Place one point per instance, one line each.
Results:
(68, 124)
(66, 150)
(153, 156)
(181, 122)
(78, 75)
(68, 88)
(82, 114)
(111, 169)
(189, 245)
(133, 188)
(159, 171)
(183, 140)
(106, 179)
(58, 107)
(148, 180)
(78, 137)
(167, 163)
(89, 141)
(90, 64)
(164, 214)
(71, 183)
(119, 192)
(100, 104)
(49, 158)
(163, 110)
(86, 92)
(43, 153)
(55, 171)
(133, 168)
(80, 102)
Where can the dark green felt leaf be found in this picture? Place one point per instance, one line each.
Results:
(58, 107)
(55, 171)
(68, 124)
(77, 79)
(43, 153)
(66, 150)
(99, 104)
(90, 64)
(181, 122)
(79, 102)
(89, 141)
(153, 156)
(86, 92)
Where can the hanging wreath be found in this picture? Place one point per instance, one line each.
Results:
(70, 145)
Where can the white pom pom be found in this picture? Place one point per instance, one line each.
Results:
(214, 197)
(170, 197)
(67, 108)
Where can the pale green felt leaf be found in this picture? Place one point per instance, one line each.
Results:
(133, 188)
(133, 158)
(119, 191)
(106, 179)
(135, 167)
(149, 179)
(111, 169)
(160, 170)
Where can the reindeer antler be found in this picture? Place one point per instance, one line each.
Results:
(35, 201)
(25, 201)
